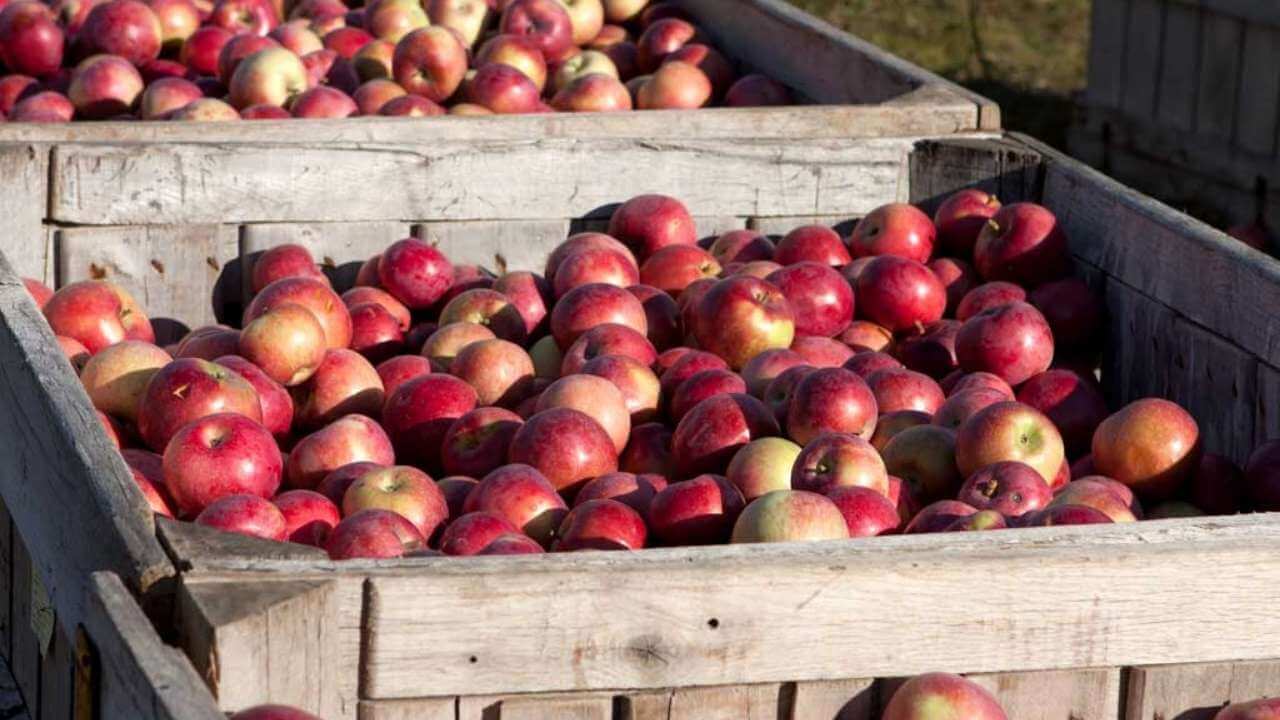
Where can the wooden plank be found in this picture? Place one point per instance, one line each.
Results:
(497, 244)
(496, 180)
(6, 581)
(27, 616)
(726, 702)
(852, 699)
(1198, 691)
(1267, 412)
(57, 686)
(563, 707)
(23, 203)
(264, 642)
(779, 226)
(1009, 169)
(340, 248)
(196, 547)
(1258, 111)
(170, 270)
(1102, 596)
(1142, 57)
(651, 705)
(1106, 52)
(1137, 355)
(416, 709)
(1219, 76)
(1214, 380)
(138, 676)
(1179, 74)
(1057, 695)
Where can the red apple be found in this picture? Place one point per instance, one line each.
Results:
(831, 399)
(401, 489)
(595, 265)
(594, 92)
(601, 525)
(518, 51)
(757, 90)
(822, 352)
(415, 273)
(709, 435)
(455, 489)
(465, 17)
(890, 424)
(635, 491)
(271, 76)
(277, 405)
(443, 345)
(352, 439)
(648, 451)
(866, 512)
(344, 383)
(812, 243)
(14, 88)
(254, 17)
(715, 66)
(1218, 486)
(335, 484)
(961, 406)
(373, 95)
(545, 22)
(608, 339)
(760, 370)
(1073, 312)
(587, 306)
(1150, 445)
(924, 457)
(501, 372)
(961, 217)
(836, 459)
(374, 533)
(957, 277)
(1099, 496)
(901, 389)
(188, 389)
(582, 241)
(309, 517)
(821, 299)
(323, 102)
(31, 41)
(431, 62)
(699, 511)
(566, 445)
(661, 39)
(899, 294)
(1074, 404)
(247, 515)
(1022, 243)
(472, 532)
(200, 51)
(780, 390)
(295, 35)
(524, 497)
(1012, 341)
(741, 246)
(939, 695)
(648, 223)
(931, 350)
(217, 456)
(393, 20)
(531, 296)
(419, 413)
(894, 229)
(672, 268)
(209, 342)
(866, 364)
(125, 28)
(940, 516)
(1011, 488)
(312, 294)
(166, 95)
(740, 317)
(477, 442)
(963, 381)
(987, 296)
(375, 332)
(104, 86)
(401, 369)
(699, 387)
(1010, 431)
(512, 544)
(789, 515)
(287, 343)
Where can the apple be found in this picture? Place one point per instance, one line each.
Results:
(760, 370)
(287, 343)
(205, 110)
(31, 41)
(963, 381)
(465, 17)
(309, 517)
(254, 17)
(789, 515)
(400, 489)
(217, 456)
(835, 459)
(234, 51)
(608, 36)
(707, 59)
(546, 22)
(375, 61)
(1072, 310)
(117, 376)
(393, 20)
(373, 533)
(344, 383)
(209, 342)
(586, 18)
(411, 106)
(594, 265)
(455, 489)
(273, 76)
(104, 86)
(1152, 446)
(820, 298)
(352, 439)
(1011, 488)
(375, 332)
(931, 350)
(1022, 243)
(488, 308)
(961, 406)
(987, 296)
(662, 316)
(634, 491)
(890, 424)
(899, 294)
(621, 11)
(245, 514)
(294, 35)
(124, 28)
(601, 525)
(740, 317)
(894, 229)
(866, 364)
(1010, 431)
(594, 304)
(674, 267)
(1218, 486)
(812, 243)
(1265, 709)
(648, 223)
(822, 352)
(324, 102)
(607, 339)
(166, 95)
(661, 39)
(512, 544)
(709, 435)
(419, 413)
(1012, 341)
(519, 52)
(777, 395)
(401, 369)
(201, 50)
(756, 268)
(277, 405)
(430, 62)
(957, 277)
(741, 246)
(14, 88)
(75, 351)
(757, 90)
(524, 497)
(699, 511)
(940, 516)
(415, 273)
(154, 493)
(1074, 404)
(961, 217)
(443, 345)
(472, 532)
(1097, 495)
(334, 485)
(648, 451)
(566, 445)
(531, 296)
(924, 457)
(901, 389)
(701, 386)
(866, 512)
(254, 112)
(501, 372)
(188, 389)
(940, 695)
(831, 399)
(581, 64)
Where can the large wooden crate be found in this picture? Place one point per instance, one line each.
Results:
(1162, 619)
(1183, 101)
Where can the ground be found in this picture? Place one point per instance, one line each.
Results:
(1027, 55)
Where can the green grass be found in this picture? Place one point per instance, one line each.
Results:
(1028, 55)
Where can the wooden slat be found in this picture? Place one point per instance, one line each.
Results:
(1215, 382)
(497, 244)
(170, 270)
(1138, 353)
(1057, 695)
(1179, 74)
(340, 248)
(538, 707)
(57, 679)
(498, 180)
(1198, 691)
(137, 675)
(1100, 596)
(25, 171)
(1142, 57)
(1267, 413)
(726, 702)
(25, 648)
(6, 581)
(650, 705)
(1219, 76)
(417, 709)
(834, 700)
(1106, 52)
(1257, 12)
(1011, 170)
(1259, 98)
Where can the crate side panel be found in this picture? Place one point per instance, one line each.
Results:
(1106, 52)
(1258, 112)
(1197, 691)
(496, 245)
(23, 204)
(1056, 695)
(1179, 75)
(1219, 76)
(1142, 57)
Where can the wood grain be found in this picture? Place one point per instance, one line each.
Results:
(56, 680)
(852, 699)
(25, 170)
(1057, 695)
(1214, 381)
(1109, 21)
(1219, 76)
(25, 647)
(6, 582)
(417, 709)
(727, 702)
(1197, 691)
(1259, 98)
(1180, 65)
(1142, 57)
(496, 244)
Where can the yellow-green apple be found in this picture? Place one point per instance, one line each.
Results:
(117, 376)
(890, 424)
(601, 525)
(1012, 341)
(524, 497)
(546, 357)
(836, 459)
(309, 517)
(465, 17)
(419, 413)
(789, 515)
(938, 695)
(812, 243)
(924, 457)
(1074, 404)
(220, 455)
(286, 342)
(373, 533)
(401, 489)
(1010, 431)
(104, 86)
(648, 451)
(166, 95)
(1022, 243)
(273, 76)
(580, 64)
(899, 294)
(566, 445)
(961, 217)
(247, 515)
(477, 442)
(675, 85)
(354, 438)
(31, 40)
(762, 466)
(415, 272)
(820, 297)
(1011, 488)
(1151, 445)
(621, 11)
(124, 28)
(586, 18)
(188, 389)
(255, 17)
(710, 434)
(741, 317)
(894, 229)
(698, 511)
(587, 306)
(831, 399)
(392, 20)
(294, 35)
(518, 51)
(757, 91)
(545, 22)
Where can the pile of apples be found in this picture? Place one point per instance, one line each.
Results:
(214, 60)
(920, 375)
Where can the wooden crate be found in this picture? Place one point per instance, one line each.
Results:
(1183, 101)
(1107, 622)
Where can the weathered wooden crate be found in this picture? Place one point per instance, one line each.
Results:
(1183, 101)
(1162, 619)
